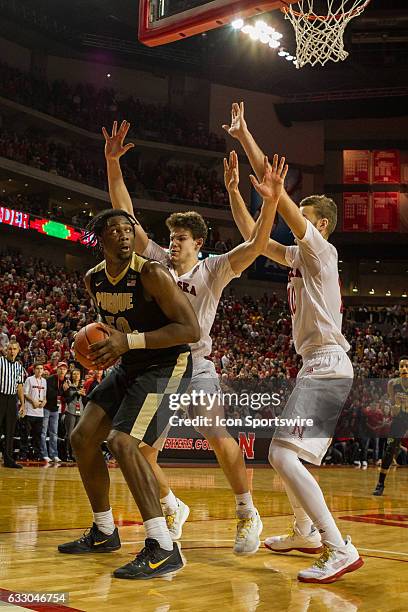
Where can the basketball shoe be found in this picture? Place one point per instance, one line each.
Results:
(332, 564)
(92, 541)
(294, 540)
(379, 490)
(176, 520)
(151, 562)
(247, 539)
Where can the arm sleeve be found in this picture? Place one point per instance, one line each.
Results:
(156, 252)
(220, 271)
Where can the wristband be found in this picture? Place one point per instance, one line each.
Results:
(136, 341)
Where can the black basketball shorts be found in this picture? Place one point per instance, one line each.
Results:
(137, 401)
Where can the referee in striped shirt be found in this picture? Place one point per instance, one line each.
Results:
(11, 387)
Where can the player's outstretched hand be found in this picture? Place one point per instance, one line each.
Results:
(114, 147)
(238, 124)
(231, 172)
(106, 352)
(271, 185)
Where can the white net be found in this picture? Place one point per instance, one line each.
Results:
(319, 34)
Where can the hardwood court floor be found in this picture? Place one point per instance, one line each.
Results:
(41, 507)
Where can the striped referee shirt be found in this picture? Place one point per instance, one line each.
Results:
(11, 375)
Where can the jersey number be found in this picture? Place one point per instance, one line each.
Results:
(120, 324)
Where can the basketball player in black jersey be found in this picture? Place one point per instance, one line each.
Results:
(150, 323)
(398, 394)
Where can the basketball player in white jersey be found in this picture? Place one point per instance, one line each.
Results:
(325, 379)
(203, 281)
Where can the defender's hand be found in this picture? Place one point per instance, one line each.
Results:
(106, 352)
(231, 172)
(114, 147)
(238, 125)
(274, 177)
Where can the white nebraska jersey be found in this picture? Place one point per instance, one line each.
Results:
(314, 293)
(203, 285)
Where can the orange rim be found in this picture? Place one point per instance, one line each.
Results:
(285, 9)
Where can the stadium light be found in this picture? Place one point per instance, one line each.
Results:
(237, 24)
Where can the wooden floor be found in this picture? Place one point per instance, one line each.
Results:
(41, 507)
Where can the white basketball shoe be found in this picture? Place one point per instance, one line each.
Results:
(176, 520)
(247, 539)
(294, 540)
(332, 564)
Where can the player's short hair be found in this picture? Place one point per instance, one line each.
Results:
(190, 220)
(403, 358)
(95, 228)
(325, 208)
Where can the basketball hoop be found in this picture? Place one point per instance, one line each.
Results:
(319, 37)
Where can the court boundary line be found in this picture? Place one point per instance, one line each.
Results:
(140, 523)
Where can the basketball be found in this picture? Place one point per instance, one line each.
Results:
(94, 332)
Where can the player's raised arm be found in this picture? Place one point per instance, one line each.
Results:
(269, 188)
(239, 130)
(242, 218)
(286, 206)
(119, 195)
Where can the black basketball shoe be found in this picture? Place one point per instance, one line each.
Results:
(151, 562)
(379, 490)
(93, 541)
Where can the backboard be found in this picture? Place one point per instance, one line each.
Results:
(165, 21)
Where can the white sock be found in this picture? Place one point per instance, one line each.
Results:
(244, 505)
(303, 521)
(104, 521)
(156, 529)
(306, 490)
(169, 503)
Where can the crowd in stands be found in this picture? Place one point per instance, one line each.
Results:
(42, 306)
(163, 180)
(85, 106)
(36, 150)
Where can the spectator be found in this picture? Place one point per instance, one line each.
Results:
(35, 393)
(56, 387)
(11, 386)
(74, 408)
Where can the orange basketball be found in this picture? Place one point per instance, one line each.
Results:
(89, 334)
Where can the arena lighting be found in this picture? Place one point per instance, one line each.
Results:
(404, 294)
(238, 24)
(371, 292)
(264, 33)
(355, 290)
(388, 293)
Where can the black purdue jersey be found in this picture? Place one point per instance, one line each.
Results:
(400, 393)
(123, 303)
